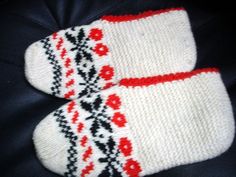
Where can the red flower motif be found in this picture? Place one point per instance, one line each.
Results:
(95, 34)
(100, 49)
(125, 146)
(113, 101)
(132, 168)
(107, 72)
(119, 119)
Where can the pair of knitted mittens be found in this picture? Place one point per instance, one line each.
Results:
(137, 107)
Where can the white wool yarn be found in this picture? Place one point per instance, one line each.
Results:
(140, 127)
(85, 59)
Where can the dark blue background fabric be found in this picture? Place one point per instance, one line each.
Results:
(23, 107)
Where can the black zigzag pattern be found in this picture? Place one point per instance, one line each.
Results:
(56, 84)
(68, 133)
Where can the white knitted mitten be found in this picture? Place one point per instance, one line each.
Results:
(85, 59)
(140, 127)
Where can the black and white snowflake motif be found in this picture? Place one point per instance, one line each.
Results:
(101, 131)
(85, 62)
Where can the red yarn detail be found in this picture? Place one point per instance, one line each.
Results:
(70, 106)
(67, 62)
(70, 83)
(125, 146)
(84, 141)
(80, 127)
(69, 72)
(107, 72)
(113, 101)
(59, 43)
(54, 35)
(75, 117)
(95, 34)
(69, 94)
(100, 49)
(108, 85)
(88, 169)
(67, 65)
(132, 168)
(87, 154)
(133, 82)
(119, 119)
(63, 53)
(123, 18)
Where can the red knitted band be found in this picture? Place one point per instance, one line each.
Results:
(122, 18)
(133, 82)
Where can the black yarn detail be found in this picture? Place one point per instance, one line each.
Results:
(101, 130)
(57, 73)
(84, 62)
(98, 115)
(80, 42)
(90, 83)
(68, 133)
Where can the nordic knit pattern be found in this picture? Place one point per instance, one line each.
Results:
(85, 59)
(140, 127)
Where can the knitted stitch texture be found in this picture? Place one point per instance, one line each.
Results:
(85, 59)
(137, 129)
